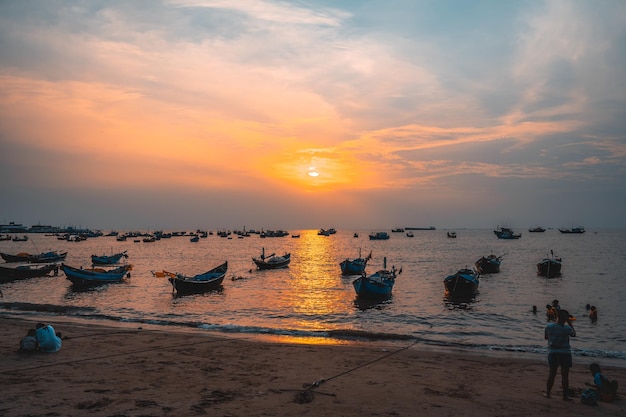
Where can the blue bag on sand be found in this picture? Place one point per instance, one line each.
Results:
(589, 396)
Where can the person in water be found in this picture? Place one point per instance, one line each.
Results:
(559, 351)
(593, 314)
(48, 339)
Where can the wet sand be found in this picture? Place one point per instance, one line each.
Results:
(110, 371)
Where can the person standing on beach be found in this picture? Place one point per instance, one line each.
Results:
(559, 351)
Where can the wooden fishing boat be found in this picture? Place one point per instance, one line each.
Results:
(355, 266)
(95, 276)
(378, 284)
(272, 261)
(15, 272)
(462, 285)
(45, 257)
(537, 229)
(488, 264)
(200, 283)
(550, 266)
(108, 259)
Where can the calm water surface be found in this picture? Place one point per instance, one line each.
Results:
(312, 299)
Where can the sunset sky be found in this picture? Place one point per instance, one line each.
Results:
(307, 114)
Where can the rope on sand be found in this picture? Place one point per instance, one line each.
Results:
(307, 395)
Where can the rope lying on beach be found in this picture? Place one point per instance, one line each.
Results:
(307, 395)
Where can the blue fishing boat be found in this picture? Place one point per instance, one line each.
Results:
(462, 285)
(207, 281)
(550, 266)
(272, 261)
(488, 264)
(378, 284)
(355, 266)
(108, 259)
(95, 276)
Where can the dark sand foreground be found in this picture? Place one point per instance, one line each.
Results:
(103, 371)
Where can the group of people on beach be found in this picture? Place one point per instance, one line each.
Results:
(558, 334)
(43, 338)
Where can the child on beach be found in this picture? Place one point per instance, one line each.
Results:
(48, 339)
(29, 344)
(607, 390)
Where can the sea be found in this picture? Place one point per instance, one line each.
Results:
(311, 302)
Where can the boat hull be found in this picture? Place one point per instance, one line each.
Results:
(462, 285)
(374, 286)
(353, 267)
(209, 281)
(42, 258)
(488, 265)
(274, 262)
(549, 268)
(108, 259)
(10, 273)
(95, 276)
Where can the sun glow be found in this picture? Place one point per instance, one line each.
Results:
(313, 172)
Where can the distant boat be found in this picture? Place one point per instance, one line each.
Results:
(379, 236)
(95, 276)
(506, 233)
(20, 239)
(295, 236)
(272, 261)
(462, 285)
(397, 230)
(355, 266)
(45, 257)
(452, 235)
(410, 234)
(23, 271)
(207, 281)
(194, 238)
(378, 284)
(488, 264)
(550, 266)
(108, 259)
(355, 235)
(575, 230)
(537, 229)
(421, 228)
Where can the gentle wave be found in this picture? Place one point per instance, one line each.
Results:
(89, 313)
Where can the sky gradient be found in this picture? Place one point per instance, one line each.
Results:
(308, 114)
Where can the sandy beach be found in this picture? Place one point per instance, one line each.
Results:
(109, 371)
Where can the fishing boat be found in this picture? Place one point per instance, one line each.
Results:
(108, 259)
(45, 257)
(20, 239)
(537, 229)
(550, 266)
(574, 230)
(379, 236)
(488, 264)
(15, 272)
(506, 233)
(452, 235)
(378, 284)
(355, 266)
(272, 261)
(95, 276)
(463, 284)
(410, 234)
(200, 283)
